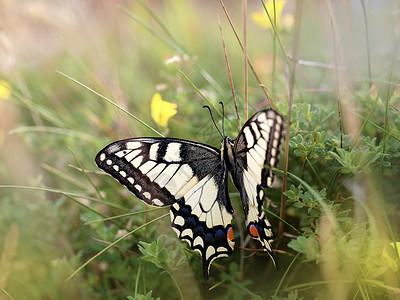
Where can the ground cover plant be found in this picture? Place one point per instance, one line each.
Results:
(76, 76)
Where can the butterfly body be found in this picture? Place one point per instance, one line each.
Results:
(192, 178)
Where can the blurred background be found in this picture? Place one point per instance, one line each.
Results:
(55, 54)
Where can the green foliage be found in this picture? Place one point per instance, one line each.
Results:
(291, 296)
(148, 296)
(156, 252)
(307, 246)
(355, 160)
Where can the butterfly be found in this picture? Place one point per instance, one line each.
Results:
(192, 178)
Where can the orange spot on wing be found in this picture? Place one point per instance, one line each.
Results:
(253, 231)
(230, 235)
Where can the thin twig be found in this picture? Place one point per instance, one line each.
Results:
(316, 64)
(246, 92)
(242, 246)
(299, 6)
(394, 107)
(336, 72)
(274, 52)
(261, 85)
(229, 72)
(367, 42)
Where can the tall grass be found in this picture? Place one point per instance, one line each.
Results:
(333, 72)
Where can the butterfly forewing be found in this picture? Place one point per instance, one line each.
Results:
(258, 145)
(158, 171)
(257, 151)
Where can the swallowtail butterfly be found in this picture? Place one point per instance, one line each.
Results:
(192, 178)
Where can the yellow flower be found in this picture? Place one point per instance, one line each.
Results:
(287, 21)
(373, 93)
(5, 90)
(392, 257)
(162, 111)
(262, 19)
(396, 92)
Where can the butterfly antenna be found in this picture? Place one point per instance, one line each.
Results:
(212, 118)
(223, 117)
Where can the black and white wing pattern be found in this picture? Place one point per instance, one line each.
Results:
(192, 178)
(257, 151)
(188, 176)
(203, 217)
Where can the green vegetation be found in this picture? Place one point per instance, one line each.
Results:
(69, 231)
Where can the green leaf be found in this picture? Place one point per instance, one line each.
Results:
(307, 246)
(148, 296)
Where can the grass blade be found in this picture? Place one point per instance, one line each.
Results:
(111, 102)
(112, 244)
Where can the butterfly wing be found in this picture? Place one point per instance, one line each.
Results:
(203, 217)
(257, 151)
(189, 176)
(156, 170)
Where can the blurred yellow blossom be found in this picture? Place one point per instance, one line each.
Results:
(396, 92)
(373, 93)
(286, 21)
(5, 90)
(392, 256)
(162, 111)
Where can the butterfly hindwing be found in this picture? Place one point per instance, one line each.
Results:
(257, 151)
(203, 217)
